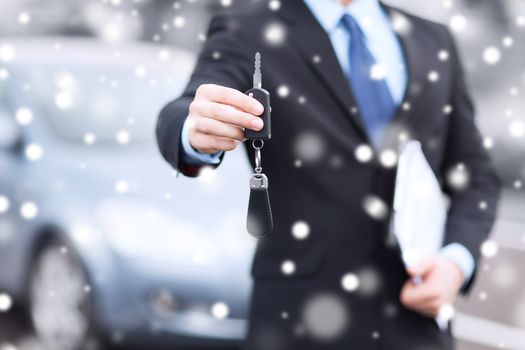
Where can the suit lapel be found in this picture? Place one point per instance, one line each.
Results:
(310, 39)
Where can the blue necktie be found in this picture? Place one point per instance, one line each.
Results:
(373, 97)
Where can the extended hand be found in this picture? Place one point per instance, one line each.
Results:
(218, 117)
(441, 282)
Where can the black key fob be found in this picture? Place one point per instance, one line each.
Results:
(263, 97)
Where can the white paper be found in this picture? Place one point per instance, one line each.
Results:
(419, 213)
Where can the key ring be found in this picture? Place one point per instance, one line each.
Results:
(258, 167)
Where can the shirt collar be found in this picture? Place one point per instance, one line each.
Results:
(330, 12)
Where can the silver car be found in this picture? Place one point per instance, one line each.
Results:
(99, 238)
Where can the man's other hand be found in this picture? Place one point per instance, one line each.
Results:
(218, 117)
(441, 281)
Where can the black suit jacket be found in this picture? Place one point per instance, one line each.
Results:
(315, 177)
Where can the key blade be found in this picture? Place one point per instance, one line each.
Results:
(257, 77)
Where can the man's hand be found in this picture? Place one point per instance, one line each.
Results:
(442, 280)
(218, 116)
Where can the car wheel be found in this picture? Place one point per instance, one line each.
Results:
(60, 304)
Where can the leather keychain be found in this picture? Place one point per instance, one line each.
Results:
(259, 221)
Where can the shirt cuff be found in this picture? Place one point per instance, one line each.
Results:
(191, 156)
(458, 254)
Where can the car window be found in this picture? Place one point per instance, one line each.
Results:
(98, 104)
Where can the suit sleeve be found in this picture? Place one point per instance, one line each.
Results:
(224, 60)
(473, 207)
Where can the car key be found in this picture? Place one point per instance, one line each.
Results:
(263, 96)
(259, 221)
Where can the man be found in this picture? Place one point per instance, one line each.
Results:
(350, 81)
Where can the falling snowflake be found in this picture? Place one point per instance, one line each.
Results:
(29, 210)
(4, 74)
(458, 177)
(443, 55)
(4, 204)
(63, 100)
(316, 59)
(377, 72)
(388, 158)
(309, 147)
(164, 54)
(89, 138)
(517, 128)
(24, 18)
(363, 153)
(5, 302)
(491, 55)
(350, 282)
(274, 34)
(488, 143)
(433, 76)
(489, 249)
(300, 230)
(23, 116)
(121, 187)
(179, 21)
(507, 41)
(207, 175)
(7, 53)
(34, 152)
(220, 310)
(458, 23)
(446, 312)
(140, 71)
(325, 317)
(226, 3)
(400, 23)
(375, 207)
(123, 137)
(274, 5)
(283, 91)
(288, 267)
(447, 109)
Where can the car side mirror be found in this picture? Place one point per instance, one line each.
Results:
(10, 133)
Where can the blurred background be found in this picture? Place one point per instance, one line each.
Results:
(101, 244)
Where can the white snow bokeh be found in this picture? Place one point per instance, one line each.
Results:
(325, 317)
(350, 282)
(274, 34)
(300, 230)
(489, 249)
(34, 152)
(458, 177)
(4, 204)
(220, 310)
(5, 302)
(309, 146)
(458, 23)
(274, 5)
(378, 72)
(29, 210)
(288, 267)
(491, 55)
(388, 158)
(375, 207)
(7, 52)
(24, 116)
(363, 153)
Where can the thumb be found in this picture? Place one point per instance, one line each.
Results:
(421, 269)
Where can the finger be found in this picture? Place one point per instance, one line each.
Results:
(422, 269)
(210, 144)
(218, 128)
(420, 294)
(227, 114)
(229, 96)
